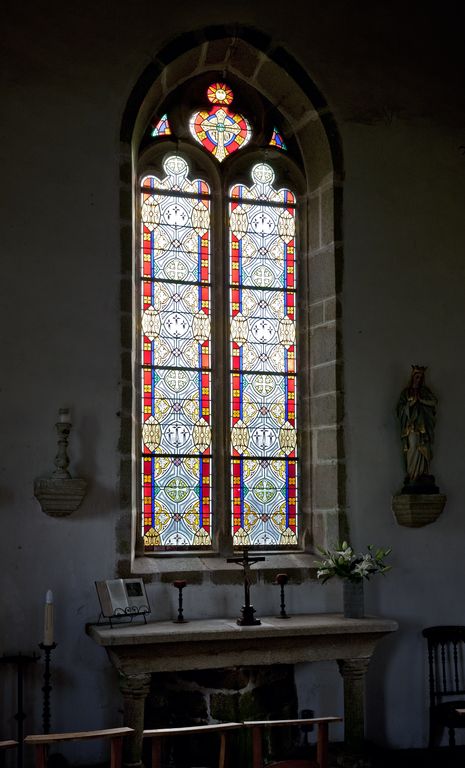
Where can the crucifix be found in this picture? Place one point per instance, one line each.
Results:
(248, 610)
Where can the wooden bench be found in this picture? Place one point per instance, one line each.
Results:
(158, 734)
(41, 742)
(322, 724)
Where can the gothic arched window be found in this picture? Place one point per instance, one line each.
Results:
(220, 346)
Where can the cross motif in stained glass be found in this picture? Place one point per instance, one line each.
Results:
(263, 349)
(219, 130)
(175, 351)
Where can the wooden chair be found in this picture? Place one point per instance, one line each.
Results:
(322, 724)
(157, 735)
(4, 745)
(41, 742)
(446, 664)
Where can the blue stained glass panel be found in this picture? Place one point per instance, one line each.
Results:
(175, 351)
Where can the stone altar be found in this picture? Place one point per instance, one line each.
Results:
(163, 646)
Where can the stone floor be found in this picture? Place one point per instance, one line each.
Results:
(376, 758)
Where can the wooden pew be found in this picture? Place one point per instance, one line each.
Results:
(158, 734)
(41, 742)
(322, 724)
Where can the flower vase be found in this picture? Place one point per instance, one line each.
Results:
(353, 599)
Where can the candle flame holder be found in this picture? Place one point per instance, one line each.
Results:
(60, 494)
(20, 661)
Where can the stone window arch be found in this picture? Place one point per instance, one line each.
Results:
(249, 58)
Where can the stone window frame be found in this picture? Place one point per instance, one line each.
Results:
(271, 71)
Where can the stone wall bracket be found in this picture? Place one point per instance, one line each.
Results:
(60, 494)
(414, 510)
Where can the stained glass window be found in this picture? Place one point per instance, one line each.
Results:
(277, 140)
(176, 367)
(253, 362)
(263, 350)
(161, 127)
(220, 130)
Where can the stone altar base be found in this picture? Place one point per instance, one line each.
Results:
(139, 652)
(224, 695)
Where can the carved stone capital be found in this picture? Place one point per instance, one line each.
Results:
(135, 686)
(353, 669)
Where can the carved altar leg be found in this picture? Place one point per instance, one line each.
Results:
(353, 674)
(134, 689)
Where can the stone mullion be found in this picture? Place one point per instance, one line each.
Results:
(328, 475)
(129, 239)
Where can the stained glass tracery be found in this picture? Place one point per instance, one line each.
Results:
(263, 348)
(219, 130)
(277, 140)
(176, 366)
(161, 127)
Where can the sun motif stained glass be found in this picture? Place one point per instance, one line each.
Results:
(219, 130)
(263, 362)
(176, 367)
(161, 127)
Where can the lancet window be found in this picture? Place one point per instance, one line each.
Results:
(218, 345)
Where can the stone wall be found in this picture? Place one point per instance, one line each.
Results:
(223, 695)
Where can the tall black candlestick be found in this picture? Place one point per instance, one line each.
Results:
(20, 662)
(180, 584)
(248, 610)
(46, 688)
(282, 579)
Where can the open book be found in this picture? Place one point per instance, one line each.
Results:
(122, 597)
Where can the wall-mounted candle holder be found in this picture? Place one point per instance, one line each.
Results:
(60, 494)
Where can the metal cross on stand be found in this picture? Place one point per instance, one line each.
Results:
(248, 610)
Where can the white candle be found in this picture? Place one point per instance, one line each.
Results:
(63, 415)
(48, 618)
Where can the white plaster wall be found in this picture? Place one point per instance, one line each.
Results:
(67, 73)
(404, 303)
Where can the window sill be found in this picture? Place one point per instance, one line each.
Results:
(299, 566)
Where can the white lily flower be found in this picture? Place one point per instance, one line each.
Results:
(346, 564)
(363, 569)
